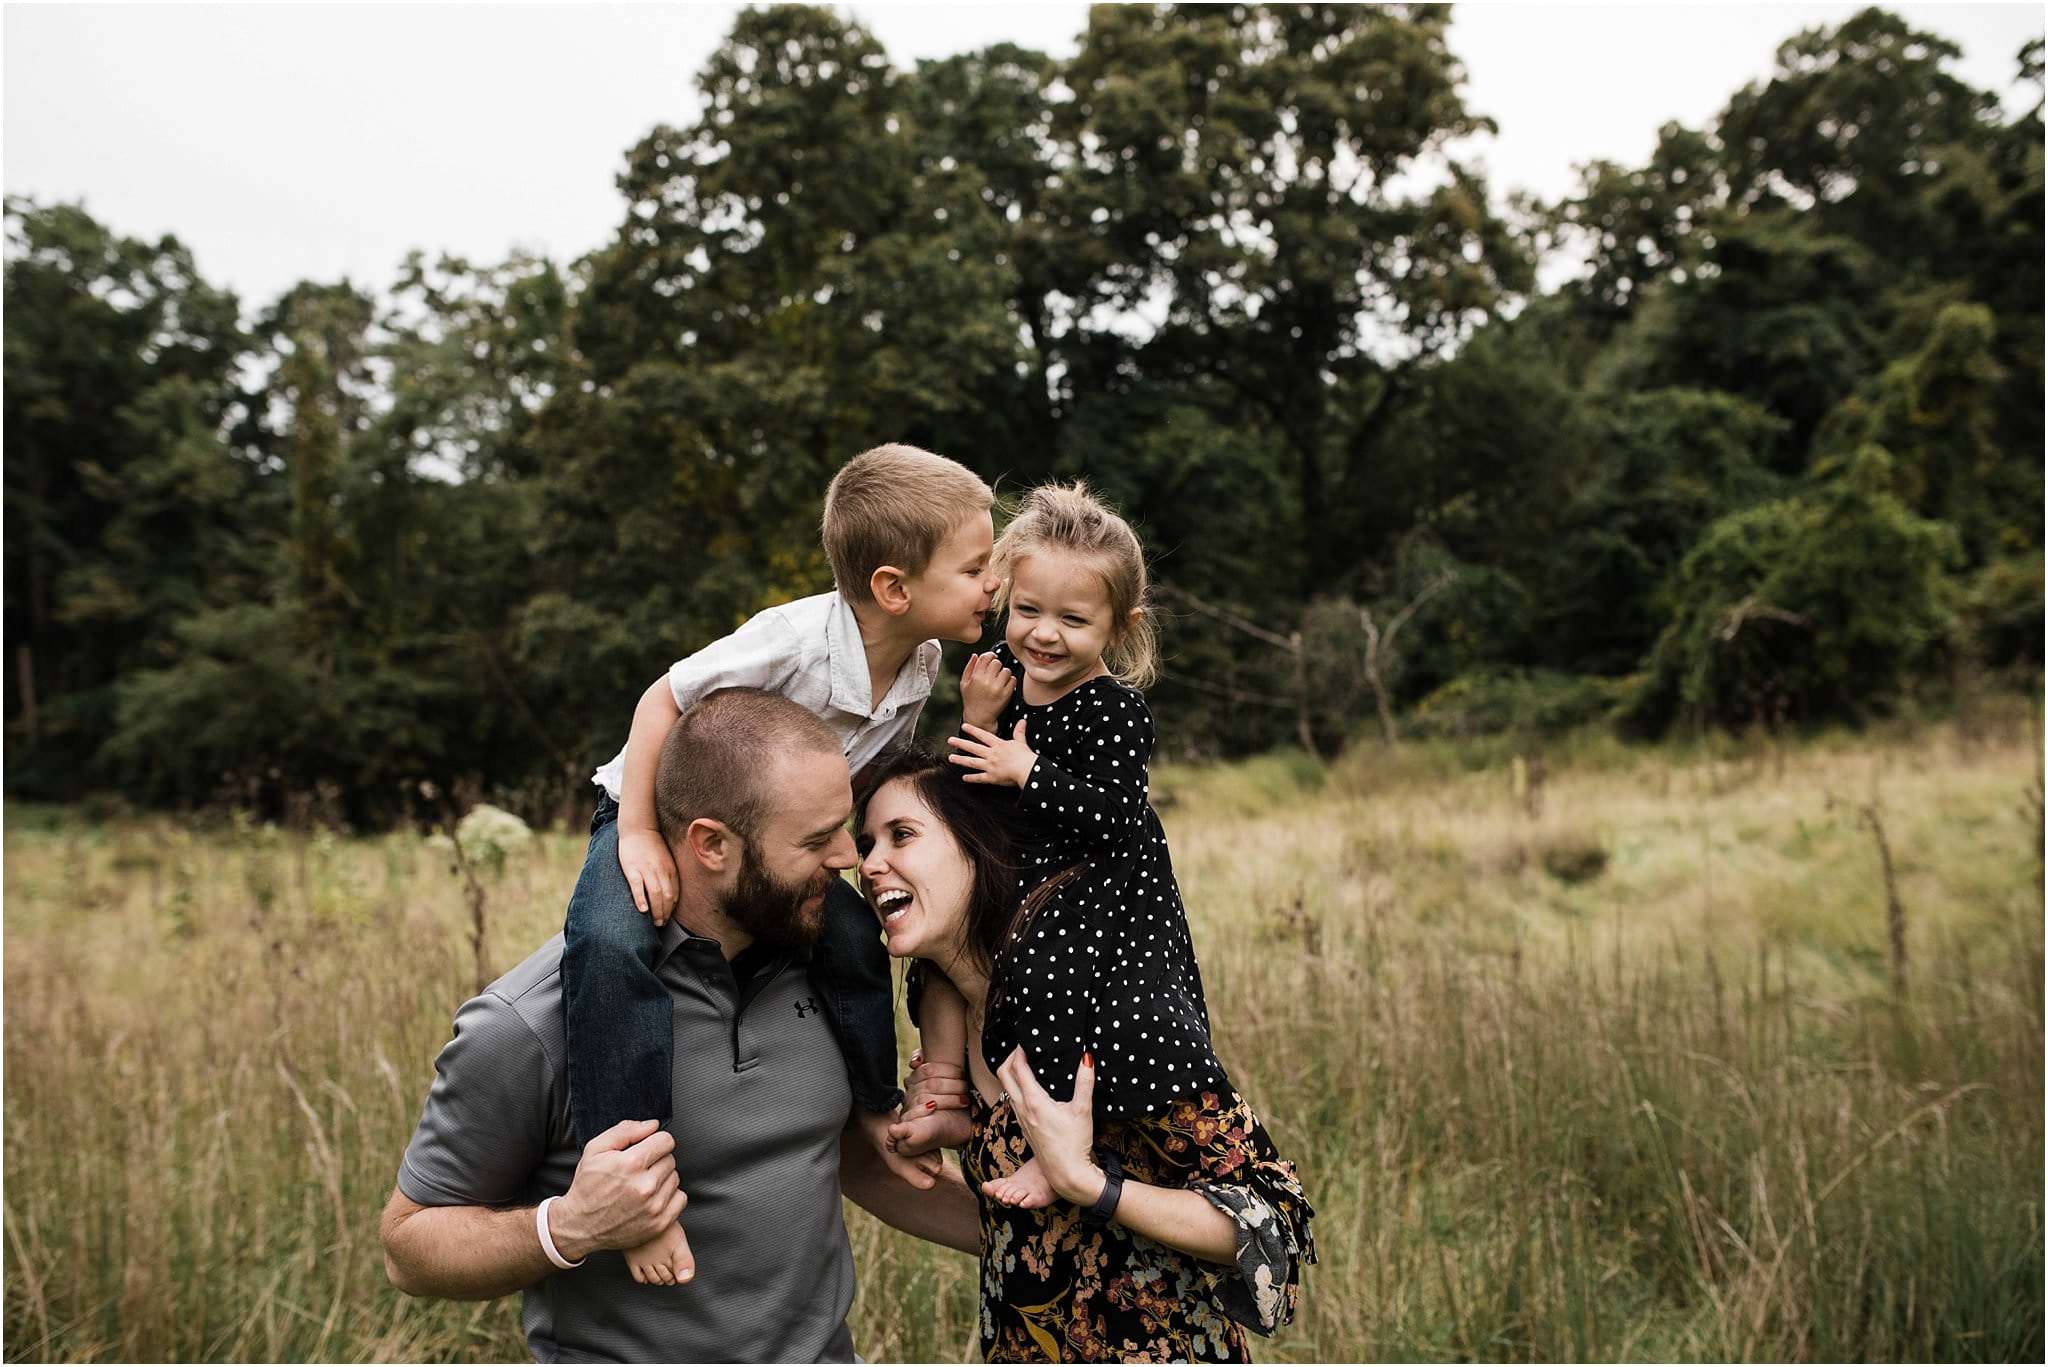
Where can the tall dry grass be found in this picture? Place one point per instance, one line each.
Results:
(1603, 1065)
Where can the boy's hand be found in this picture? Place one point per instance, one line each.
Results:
(994, 759)
(985, 686)
(650, 872)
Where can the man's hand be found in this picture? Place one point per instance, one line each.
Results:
(985, 686)
(650, 871)
(624, 1192)
(993, 759)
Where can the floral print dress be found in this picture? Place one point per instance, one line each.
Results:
(1055, 1288)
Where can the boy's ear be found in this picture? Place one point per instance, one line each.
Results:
(890, 588)
(712, 844)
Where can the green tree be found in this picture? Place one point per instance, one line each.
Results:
(124, 504)
(1823, 605)
(1242, 170)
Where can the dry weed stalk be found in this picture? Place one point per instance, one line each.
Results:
(1894, 909)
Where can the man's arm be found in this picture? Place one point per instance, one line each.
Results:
(624, 1193)
(947, 1214)
(464, 1253)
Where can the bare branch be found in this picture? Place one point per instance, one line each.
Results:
(1232, 694)
(1749, 610)
(1223, 615)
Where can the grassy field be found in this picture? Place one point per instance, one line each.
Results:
(1600, 1055)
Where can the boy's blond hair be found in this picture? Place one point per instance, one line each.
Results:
(1069, 519)
(893, 506)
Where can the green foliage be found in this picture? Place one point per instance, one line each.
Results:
(2001, 611)
(1665, 465)
(1933, 410)
(1488, 702)
(1232, 264)
(1823, 604)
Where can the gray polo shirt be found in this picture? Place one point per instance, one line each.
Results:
(761, 1098)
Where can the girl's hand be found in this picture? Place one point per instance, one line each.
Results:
(1061, 1134)
(994, 759)
(650, 872)
(985, 686)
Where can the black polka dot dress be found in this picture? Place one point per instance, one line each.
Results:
(1105, 964)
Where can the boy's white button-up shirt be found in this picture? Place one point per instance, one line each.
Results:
(810, 652)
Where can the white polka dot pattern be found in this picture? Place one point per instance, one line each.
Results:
(1107, 964)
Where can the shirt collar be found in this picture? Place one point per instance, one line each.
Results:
(674, 935)
(848, 664)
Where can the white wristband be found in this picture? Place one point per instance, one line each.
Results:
(547, 1241)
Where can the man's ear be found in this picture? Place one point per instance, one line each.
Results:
(890, 588)
(712, 844)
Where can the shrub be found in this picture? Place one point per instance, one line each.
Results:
(1822, 605)
(1486, 702)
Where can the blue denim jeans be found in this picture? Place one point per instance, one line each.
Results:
(621, 1032)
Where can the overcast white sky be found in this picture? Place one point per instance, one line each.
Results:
(286, 141)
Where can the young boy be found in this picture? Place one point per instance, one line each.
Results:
(909, 535)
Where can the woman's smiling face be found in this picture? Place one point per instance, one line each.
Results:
(914, 874)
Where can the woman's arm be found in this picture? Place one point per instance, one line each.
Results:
(1181, 1219)
(1063, 1138)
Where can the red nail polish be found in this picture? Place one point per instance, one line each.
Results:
(931, 1105)
(1087, 1058)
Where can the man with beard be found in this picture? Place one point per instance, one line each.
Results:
(494, 1196)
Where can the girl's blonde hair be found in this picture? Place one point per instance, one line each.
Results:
(1069, 518)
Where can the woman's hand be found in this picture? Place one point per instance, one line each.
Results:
(985, 686)
(934, 1109)
(942, 1085)
(1061, 1134)
(994, 759)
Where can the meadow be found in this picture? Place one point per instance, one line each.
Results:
(1729, 1050)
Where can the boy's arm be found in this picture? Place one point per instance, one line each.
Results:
(761, 654)
(643, 855)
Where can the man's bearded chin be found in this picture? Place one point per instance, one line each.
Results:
(775, 913)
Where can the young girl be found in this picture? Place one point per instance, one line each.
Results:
(1055, 713)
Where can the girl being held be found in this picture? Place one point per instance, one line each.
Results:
(1054, 712)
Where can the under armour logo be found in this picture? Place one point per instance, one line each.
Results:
(805, 1007)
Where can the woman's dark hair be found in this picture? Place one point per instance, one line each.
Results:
(978, 817)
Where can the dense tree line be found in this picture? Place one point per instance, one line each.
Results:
(1773, 454)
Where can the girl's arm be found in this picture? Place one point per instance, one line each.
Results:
(1098, 803)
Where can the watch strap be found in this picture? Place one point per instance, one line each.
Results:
(1112, 1192)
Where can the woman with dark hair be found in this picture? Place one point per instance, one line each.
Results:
(1173, 1223)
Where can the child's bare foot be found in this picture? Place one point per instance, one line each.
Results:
(932, 1131)
(664, 1260)
(1026, 1188)
(920, 1170)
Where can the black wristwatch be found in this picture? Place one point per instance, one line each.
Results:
(1112, 1192)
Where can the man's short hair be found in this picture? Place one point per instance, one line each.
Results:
(893, 506)
(720, 759)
